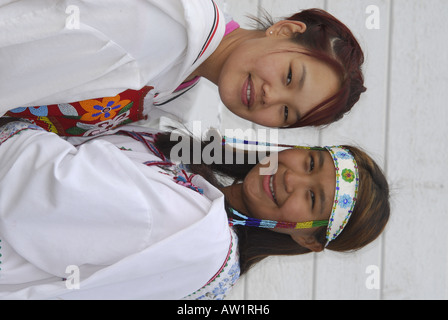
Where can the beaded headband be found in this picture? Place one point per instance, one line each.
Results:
(346, 191)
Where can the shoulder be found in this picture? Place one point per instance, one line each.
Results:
(223, 281)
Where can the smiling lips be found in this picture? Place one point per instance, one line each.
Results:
(268, 186)
(248, 93)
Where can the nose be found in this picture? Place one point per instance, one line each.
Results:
(271, 96)
(294, 180)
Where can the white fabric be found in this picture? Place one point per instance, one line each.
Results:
(119, 45)
(131, 229)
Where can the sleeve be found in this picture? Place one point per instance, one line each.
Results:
(61, 51)
(61, 205)
(223, 281)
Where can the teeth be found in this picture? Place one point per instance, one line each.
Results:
(248, 92)
(271, 186)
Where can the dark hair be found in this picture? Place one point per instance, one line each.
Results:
(368, 219)
(329, 40)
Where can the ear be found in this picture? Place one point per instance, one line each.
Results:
(309, 242)
(286, 28)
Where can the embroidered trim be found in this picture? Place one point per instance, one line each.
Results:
(181, 92)
(225, 263)
(220, 287)
(212, 32)
(11, 129)
(185, 180)
(88, 117)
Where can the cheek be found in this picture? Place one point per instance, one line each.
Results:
(272, 117)
(225, 92)
(251, 191)
(268, 67)
(294, 210)
(230, 85)
(254, 198)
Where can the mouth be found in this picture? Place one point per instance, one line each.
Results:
(269, 188)
(248, 93)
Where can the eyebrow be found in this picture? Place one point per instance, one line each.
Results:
(302, 79)
(300, 86)
(322, 193)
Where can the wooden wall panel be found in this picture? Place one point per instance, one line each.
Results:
(401, 122)
(344, 276)
(415, 251)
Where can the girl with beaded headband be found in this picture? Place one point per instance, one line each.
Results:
(357, 199)
(347, 179)
(119, 206)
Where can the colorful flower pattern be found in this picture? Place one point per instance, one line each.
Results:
(185, 181)
(345, 193)
(88, 130)
(343, 155)
(12, 129)
(41, 111)
(345, 201)
(104, 110)
(348, 175)
(88, 117)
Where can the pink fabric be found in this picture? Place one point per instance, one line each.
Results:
(188, 84)
(231, 26)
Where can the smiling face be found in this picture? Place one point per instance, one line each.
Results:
(271, 82)
(302, 189)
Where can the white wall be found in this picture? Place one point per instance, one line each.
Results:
(401, 122)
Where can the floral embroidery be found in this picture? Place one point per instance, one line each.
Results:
(41, 111)
(104, 110)
(342, 155)
(348, 175)
(17, 110)
(345, 201)
(68, 110)
(88, 117)
(51, 127)
(14, 128)
(186, 182)
(87, 130)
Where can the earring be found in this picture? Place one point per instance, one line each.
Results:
(271, 32)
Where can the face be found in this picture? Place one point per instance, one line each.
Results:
(269, 81)
(302, 188)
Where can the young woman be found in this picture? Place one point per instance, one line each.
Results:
(115, 218)
(83, 67)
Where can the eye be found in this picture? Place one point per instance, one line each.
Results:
(286, 111)
(313, 199)
(289, 77)
(311, 163)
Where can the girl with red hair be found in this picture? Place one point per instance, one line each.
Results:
(304, 70)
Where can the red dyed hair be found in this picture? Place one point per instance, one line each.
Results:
(329, 40)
